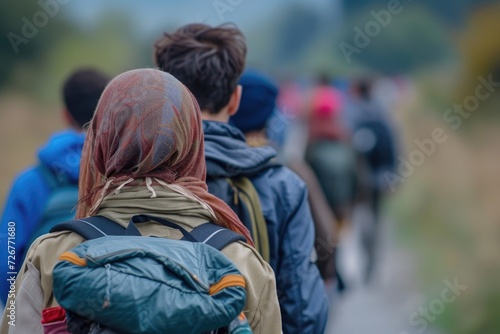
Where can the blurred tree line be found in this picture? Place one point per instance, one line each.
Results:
(424, 34)
(44, 61)
(453, 12)
(11, 14)
(299, 38)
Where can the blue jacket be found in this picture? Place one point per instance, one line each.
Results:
(27, 198)
(283, 197)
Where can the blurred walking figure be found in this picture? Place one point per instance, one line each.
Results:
(46, 194)
(210, 61)
(329, 152)
(330, 155)
(373, 137)
(259, 93)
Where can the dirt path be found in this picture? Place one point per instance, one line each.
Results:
(385, 305)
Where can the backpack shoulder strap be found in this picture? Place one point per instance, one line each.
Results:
(91, 227)
(248, 195)
(98, 226)
(215, 236)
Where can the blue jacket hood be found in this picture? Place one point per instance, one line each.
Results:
(62, 153)
(227, 154)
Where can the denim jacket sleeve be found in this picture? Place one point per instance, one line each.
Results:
(301, 291)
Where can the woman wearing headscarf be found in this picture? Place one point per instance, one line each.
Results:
(144, 154)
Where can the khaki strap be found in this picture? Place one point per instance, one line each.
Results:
(250, 198)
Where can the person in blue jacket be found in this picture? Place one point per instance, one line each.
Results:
(60, 158)
(209, 61)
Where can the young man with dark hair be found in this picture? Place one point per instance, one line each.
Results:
(58, 166)
(81, 92)
(209, 61)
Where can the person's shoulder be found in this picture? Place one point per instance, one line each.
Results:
(281, 190)
(51, 245)
(281, 178)
(60, 237)
(30, 176)
(247, 259)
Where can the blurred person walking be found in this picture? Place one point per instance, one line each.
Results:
(209, 61)
(329, 152)
(259, 97)
(46, 194)
(374, 138)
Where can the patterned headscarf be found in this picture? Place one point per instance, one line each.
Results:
(147, 130)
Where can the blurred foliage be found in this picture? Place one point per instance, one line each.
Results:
(297, 38)
(10, 21)
(30, 53)
(453, 12)
(109, 47)
(413, 39)
(281, 45)
(479, 48)
(296, 31)
(448, 211)
(300, 39)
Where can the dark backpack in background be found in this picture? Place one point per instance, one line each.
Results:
(59, 206)
(381, 154)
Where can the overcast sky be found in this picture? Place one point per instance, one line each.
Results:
(154, 15)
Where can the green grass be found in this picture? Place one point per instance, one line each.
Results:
(450, 222)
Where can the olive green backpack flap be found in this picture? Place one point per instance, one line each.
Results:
(251, 213)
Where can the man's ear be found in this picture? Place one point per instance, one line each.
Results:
(234, 101)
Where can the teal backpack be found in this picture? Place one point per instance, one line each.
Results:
(61, 203)
(121, 282)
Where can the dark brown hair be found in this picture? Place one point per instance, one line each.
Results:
(81, 92)
(208, 60)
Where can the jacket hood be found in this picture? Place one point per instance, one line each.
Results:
(227, 154)
(62, 153)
